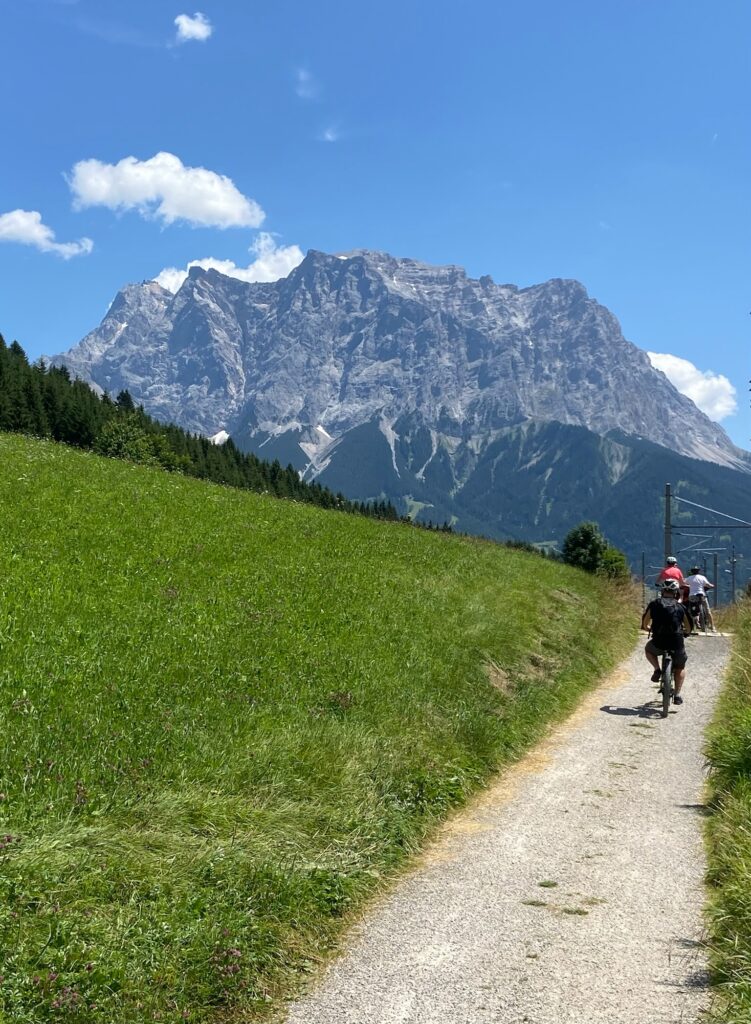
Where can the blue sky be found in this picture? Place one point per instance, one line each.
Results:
(607, 142)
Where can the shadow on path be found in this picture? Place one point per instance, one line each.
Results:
(702, 809)
(651, 710)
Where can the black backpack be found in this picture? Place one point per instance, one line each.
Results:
(667, 618)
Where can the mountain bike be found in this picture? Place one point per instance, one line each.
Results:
(667, 684)
(698, 612)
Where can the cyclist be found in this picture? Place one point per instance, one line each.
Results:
(672, 572)
(671, 622)
(698, 586)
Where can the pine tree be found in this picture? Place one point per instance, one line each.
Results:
(125, 402)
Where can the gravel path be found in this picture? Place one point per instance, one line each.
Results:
(608, 811)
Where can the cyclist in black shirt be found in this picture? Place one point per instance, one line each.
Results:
(670, 622)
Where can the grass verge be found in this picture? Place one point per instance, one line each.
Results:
(224, 719)
(729, 833)
(727, 616)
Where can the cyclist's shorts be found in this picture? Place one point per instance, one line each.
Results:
(678, 650)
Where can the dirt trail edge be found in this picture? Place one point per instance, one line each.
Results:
(569, 893)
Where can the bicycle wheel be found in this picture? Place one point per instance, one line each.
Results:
(702, 618)
(667, 683)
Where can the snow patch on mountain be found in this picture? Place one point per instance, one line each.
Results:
(387, 429)
(420, 474)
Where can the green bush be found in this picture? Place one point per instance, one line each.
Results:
(125, 439)
(614, 565)
(585, 547)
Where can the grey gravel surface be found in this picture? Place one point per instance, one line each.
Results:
(609, 809)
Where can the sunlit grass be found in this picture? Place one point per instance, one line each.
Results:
(226, 718)
(727, 616)
(729, 832)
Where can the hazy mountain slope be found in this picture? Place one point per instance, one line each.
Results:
(535, 480)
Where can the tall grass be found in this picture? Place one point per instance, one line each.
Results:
(729, 833)
(727, 616)
(224, 719)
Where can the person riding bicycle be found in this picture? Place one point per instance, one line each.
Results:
(670, 622)
(673, 572)
(698, 586)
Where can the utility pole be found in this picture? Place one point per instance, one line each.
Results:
(716, 582)
(668, 527)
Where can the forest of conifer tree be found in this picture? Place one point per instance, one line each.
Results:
(44, 401)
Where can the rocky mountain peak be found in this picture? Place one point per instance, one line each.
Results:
(364, 336)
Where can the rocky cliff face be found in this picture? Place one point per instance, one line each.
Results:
(508, 411)
(346, 340)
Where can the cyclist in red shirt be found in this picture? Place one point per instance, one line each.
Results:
(672, 572)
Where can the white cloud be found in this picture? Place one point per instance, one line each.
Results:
(712, 392)
(197, 28)
(306, 86)
(26, 228)
(164, 187)
(271, 263)
(330, 134)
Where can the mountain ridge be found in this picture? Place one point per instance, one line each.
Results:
(383, 377)
(220, 352)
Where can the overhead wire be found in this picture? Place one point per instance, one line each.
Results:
(705, 508)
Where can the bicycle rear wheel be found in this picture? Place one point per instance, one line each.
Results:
(667, 683)
(702, 618)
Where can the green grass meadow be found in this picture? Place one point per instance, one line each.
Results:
(225, 720)
(729, 831)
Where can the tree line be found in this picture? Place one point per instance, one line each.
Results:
(44, 401)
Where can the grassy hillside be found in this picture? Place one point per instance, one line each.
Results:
(729, 833)
(224, 718)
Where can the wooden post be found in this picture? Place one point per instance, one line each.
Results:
(716, 581)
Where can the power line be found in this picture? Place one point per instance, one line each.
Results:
(705, 508)
(691, 547)
(719, 526)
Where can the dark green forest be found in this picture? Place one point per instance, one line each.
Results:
(43, 401)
